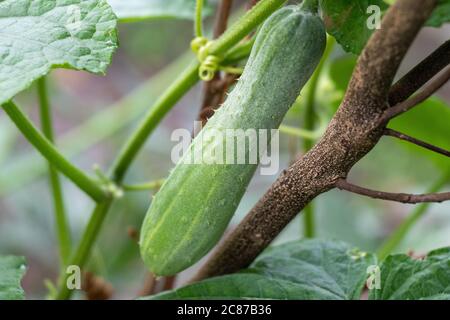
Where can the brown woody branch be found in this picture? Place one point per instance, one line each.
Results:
(343, 184)
(423, 144)
(433, 86)
(351, 134)
(421, 74)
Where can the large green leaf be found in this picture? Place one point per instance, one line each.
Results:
(440, 15)
(404, 278)
(136, 10)
(429, 122)
(306, 269)
(12, 269)
(347, 21)
(38, 35)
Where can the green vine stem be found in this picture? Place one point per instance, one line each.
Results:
(299, 132)
(402, 230)
(187, 79)
(92, 131)
(152, 185)
(46, 148)
(166, 101)
(244, 26)
(199, 18)
(84, 247)
(62, 225)
(309, 124)
(239, 52)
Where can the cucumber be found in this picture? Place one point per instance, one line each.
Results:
(191, 211)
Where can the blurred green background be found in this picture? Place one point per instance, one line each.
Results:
(93, 117)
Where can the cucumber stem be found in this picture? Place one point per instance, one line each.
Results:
(198, 19)
(48, 150)
(299, 132)
(155, 114)
(84, 247)
(152, 185)
(62, 225)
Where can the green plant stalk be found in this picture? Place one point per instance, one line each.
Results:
(239, 52)
(168, 99)
(198, 18)
(244, 26)
(155, 184)
(100, 126)
(185, 81)
(299, 132)
(84, 247)
(62, 225)
(73, 144)
(188, 78)
(8, 138)
(403, 229)
(309, 124)
(46, 148)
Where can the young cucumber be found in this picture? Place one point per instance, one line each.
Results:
(194, 206)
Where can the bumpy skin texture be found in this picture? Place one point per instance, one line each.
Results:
(194, 206)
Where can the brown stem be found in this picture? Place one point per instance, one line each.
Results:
(433, 86)
(149, 285)
(351, 134)
(96, 288)
(423, 144)
(169, 283)
(342, 184)
(251, 4)
(420, 74)
(222, 17)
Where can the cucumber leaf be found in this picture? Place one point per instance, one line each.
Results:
(12, 269)
(405, 278)
(305, 269)
(37, 35)
(440, 15)
(137, 10)
(347, 21)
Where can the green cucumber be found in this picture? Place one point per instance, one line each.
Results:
(191, 211)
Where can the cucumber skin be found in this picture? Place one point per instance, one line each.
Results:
(191, 211)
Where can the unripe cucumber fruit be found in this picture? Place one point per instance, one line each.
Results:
(194, 206)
